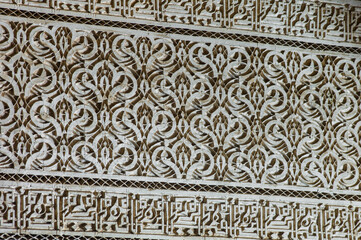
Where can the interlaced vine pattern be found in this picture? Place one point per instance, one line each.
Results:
(161, 136)
(119, 104)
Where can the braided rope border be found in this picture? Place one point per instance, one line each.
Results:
(159, 185)
(182, 31)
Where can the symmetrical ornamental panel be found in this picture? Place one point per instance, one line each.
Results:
(121, 104)
(115, 130)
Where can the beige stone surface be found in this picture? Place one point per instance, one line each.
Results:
(180, 119)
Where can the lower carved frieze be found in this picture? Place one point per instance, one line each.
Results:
(117, 211)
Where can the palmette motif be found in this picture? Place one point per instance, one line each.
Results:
(121, 104)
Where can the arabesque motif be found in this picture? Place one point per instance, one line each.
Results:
(119, 104)
(180, 119)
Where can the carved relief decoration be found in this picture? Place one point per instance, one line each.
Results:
(180, 214)
(121, 133)
(119, 104)
(327, 20)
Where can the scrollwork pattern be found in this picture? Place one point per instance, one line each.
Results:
(110, 102)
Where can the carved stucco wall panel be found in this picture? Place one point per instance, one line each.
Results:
(115, 211)
(113, 127)
(113, 103)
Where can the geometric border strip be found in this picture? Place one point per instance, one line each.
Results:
(329, 20)
(182, 31)
(14, 236)
(175, 186)
(121, 212)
